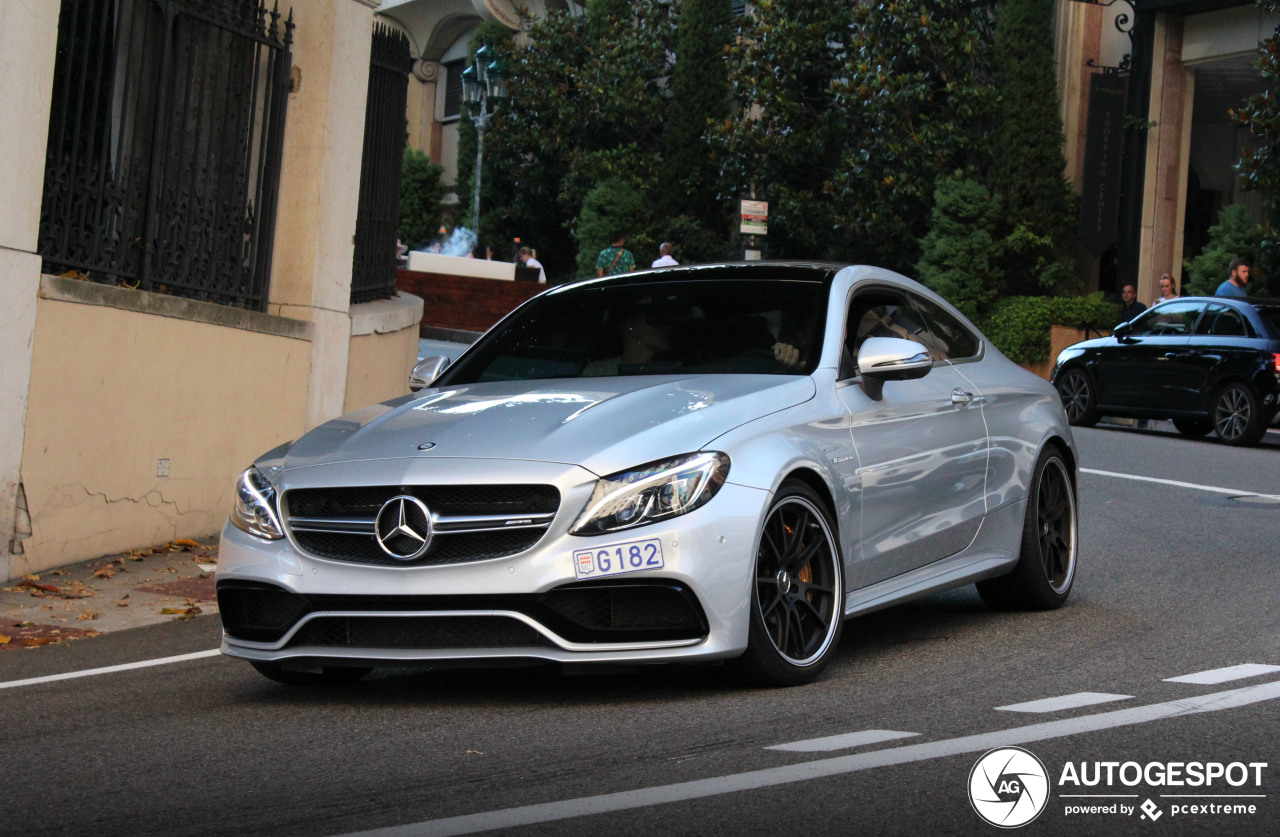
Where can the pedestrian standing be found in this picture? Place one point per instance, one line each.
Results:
(615, 258)
(1168, 290)
(527, 259)
(1132, 308)
(664, 256)
(1234, 286)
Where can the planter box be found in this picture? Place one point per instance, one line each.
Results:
(1060, 337)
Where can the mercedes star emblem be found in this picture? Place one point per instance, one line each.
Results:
(403, 528)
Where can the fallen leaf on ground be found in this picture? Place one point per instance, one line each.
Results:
(4, 640)
(31, 584)
(31, 641)
(88, 615)
(474, 753)
(187, 542)
(58, 572)
(181, 611)
(105, 572)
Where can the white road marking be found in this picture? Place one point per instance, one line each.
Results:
(838, 765)
(1214, 676)
(92, 672)
(1235, 492)
(1056, 704)
(842, 742)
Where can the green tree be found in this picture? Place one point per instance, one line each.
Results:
(610, 208)
(1236, 235)
(1040, 208)
(581, 110)
(421, 191)
(1260, 168)
(789, 135)
(700, 98)
(960, 257)
(918, 88)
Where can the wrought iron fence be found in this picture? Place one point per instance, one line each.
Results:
(373, 268)
(164, 146)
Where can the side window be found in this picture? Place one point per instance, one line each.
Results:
(951, 340)
(1169, 320)
(1221, 321)
(878, 313)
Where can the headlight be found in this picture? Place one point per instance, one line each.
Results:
(255, 507)
(653, 492)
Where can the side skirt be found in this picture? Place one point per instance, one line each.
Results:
(994, 552)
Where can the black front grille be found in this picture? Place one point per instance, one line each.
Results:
(584, 612)
(445, 499)
(362, 504)
(417, 632)
(447, 548)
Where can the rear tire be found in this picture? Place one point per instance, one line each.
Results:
(797, 592)
(1079, 399)
(1046, 568)
(1236, 417)
(326, 676)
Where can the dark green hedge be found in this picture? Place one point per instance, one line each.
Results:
(1019, 325)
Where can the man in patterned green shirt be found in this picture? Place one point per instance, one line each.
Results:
(615, 258)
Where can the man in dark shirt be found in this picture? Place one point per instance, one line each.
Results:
(1132, 308)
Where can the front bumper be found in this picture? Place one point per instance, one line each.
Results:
(280, 603)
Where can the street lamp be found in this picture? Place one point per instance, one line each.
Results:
(485, 79)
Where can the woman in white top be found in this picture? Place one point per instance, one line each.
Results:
(1168, 290)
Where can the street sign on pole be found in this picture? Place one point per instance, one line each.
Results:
(754, 217)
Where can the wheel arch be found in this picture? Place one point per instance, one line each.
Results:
(814, 480)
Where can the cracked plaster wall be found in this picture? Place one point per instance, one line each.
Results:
(114, 391)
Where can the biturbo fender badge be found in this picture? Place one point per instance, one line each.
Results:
(403, 528)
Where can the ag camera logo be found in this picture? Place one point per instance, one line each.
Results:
(1008, 787)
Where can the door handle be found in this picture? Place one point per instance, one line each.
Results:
(960, 397)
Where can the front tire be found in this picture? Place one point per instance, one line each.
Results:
(1079, 399)
(797, 594)
(1195, 428)
(1236, 417)
(326, 676)
(1046, 568)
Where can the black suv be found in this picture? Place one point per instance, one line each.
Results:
(1207, 363)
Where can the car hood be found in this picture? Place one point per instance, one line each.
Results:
(601, 424)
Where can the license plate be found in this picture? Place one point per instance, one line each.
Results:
(618, 558)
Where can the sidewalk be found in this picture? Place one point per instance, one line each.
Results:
(135, 588)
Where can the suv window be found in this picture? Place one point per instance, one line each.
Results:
(1221, 321)
(951, 340)
(1170, 319)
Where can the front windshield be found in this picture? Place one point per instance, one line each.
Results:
(691, 326)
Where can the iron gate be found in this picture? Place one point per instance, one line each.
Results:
(164, 147)
(373, 266)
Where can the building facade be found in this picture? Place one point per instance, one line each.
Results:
(176, 261)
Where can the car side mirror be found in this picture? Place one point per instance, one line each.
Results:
(1121, 331)
(426, 371)
(883, 359)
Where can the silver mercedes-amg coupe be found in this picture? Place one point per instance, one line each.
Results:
(707, 463)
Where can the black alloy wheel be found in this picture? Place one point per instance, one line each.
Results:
(1236, 417)
(797, 596)
(1046, 568)
(1078, 398)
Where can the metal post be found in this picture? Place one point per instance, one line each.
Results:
(481, 123)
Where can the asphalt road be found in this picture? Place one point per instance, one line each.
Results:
(1173, 581)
